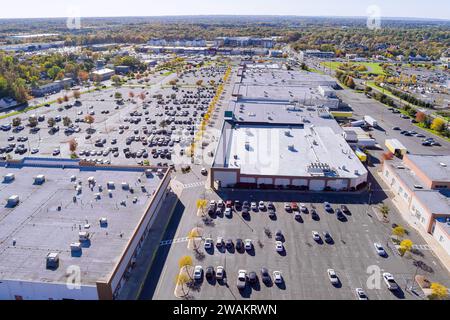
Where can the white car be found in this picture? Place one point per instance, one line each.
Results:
(248, 244)
(228, 212)
(303, 207)
(208, 243)
(242, 279)
(287, 207)
(220, 204)
(332, 276)
(277, 277)
(390, 281)
(279, 246)
(316, 236)
(219, 242)
(204, 171)
(34, 151)
(212, 203)
(220, 272)
(254, 206)
(379, 248)
(261, 205)
(198, 272)
(360, 294)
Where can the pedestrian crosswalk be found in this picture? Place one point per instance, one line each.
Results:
(171, 241)
(194, 184)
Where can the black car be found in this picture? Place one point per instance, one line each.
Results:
(246, 205)
(209, 274)
(272, 214)
(279, 235)
(239, 244)
(314, 214)
(344, 208)
(252, 277)
(229, 243)
(327, 237)
(245, 212)
(339, 214)
(265, 276)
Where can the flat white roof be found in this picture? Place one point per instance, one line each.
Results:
(284, 151)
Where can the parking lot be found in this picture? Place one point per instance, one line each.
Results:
(142, 126)
(304, 261)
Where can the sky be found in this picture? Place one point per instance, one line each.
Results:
(112, 8)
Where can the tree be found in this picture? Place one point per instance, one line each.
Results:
(73, 144)
(350, 83)
(399, 232)
(438, 124)
(201, 204)
(193, 235)
(405, 246)
(384, 210)
(66, 98)
(16, 122)
(142, 96)
(438, 291)
(199, 82)
(173, 82)
(185, 261)
(77, 94)
(181, 279)
(116, 80)
(420, 116)
(89, 119)
(67, 121)
(117, 96)
(51, 122)
(163, 124)
(32, 122)
(59, 100)
(83, 76)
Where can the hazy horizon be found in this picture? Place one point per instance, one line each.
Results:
(412, 9)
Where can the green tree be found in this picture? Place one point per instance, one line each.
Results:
(67, 121)
(16, 122)
(51, 122)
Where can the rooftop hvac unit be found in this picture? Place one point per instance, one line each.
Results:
(291, 147)
(97, 196)
(287, 133)
(125, 185)
(39, 179)
(73, 178)
(75, 246)
(83, 235)
(110, 185)
(443, 164)
(52, 260)
(148, 172)
(13, 201)
(9, 177)
(160, 172)
(91, 180)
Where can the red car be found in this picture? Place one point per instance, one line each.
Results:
(294, 206)
(229, 204)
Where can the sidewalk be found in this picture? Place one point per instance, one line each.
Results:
(132, 288)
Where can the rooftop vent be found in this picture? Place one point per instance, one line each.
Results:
(400, 167)
(418, 186)
(75, 246)
(443, 164)
(83, 235)
(125, 186)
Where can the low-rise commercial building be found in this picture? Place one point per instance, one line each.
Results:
(421, 184)
(102, 74)
(75, 229)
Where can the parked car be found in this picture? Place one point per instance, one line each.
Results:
(316, 236)
(241, 279)
(248, 244)
(332, 276)
(390, 281)
(209, 272)
(265, 276)
(279, 246)
(277, 277)
(252, 277)
(198, 273)
(208, 243)
(220, 272)
(360, 294)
